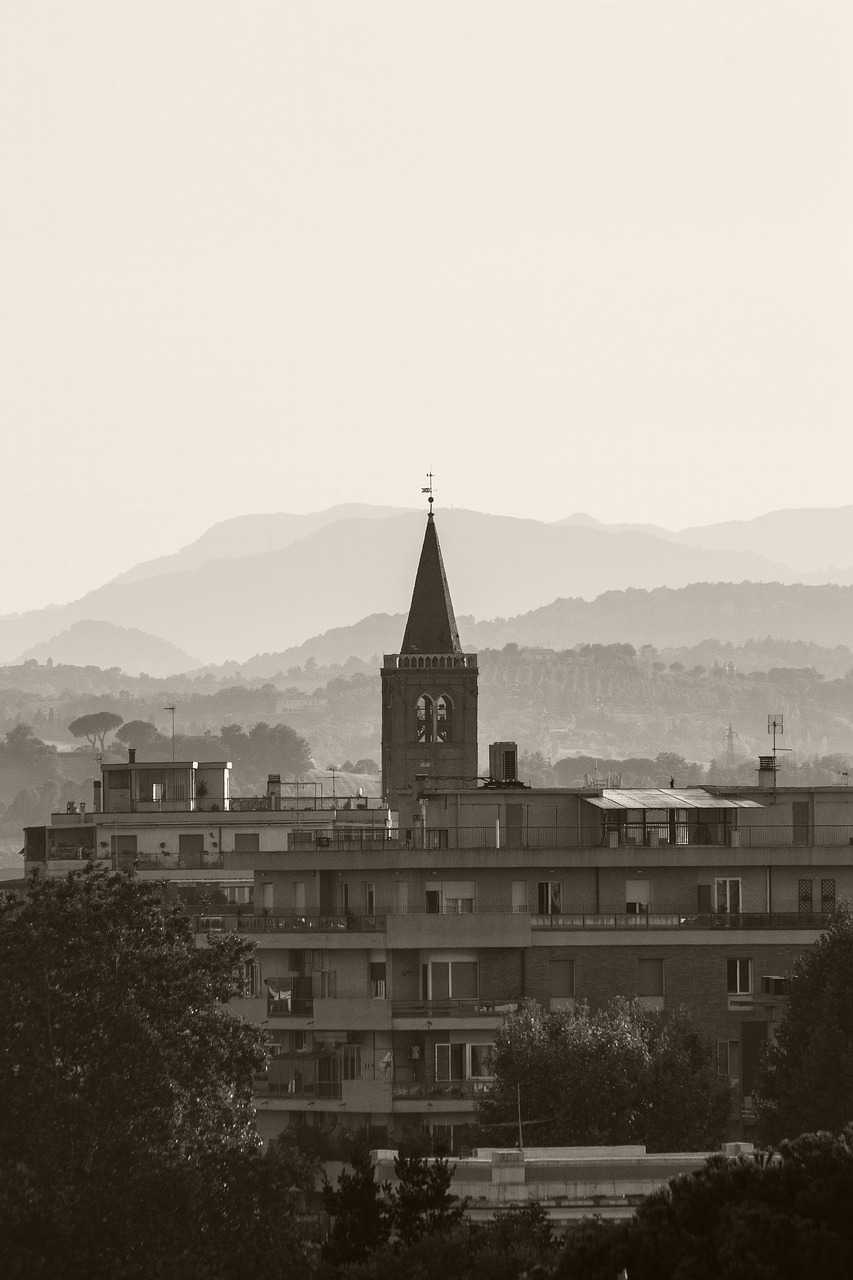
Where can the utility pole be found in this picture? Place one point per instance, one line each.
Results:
(172, 709)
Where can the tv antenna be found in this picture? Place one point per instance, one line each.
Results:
(776, 725)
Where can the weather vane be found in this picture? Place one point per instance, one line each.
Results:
(428, 489)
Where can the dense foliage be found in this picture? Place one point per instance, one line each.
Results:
(806, 1079)
(612, 1076)
(366, 1214)
(780, 1217)
(127, 1144)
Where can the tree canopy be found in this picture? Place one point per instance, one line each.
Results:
(127, 1141)
(784, 1216)
(805, 1082)
(95, 727)
(617, 1075)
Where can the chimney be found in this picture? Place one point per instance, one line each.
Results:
(96, 799)
(274, 790)
(131, 755)
(767, 767)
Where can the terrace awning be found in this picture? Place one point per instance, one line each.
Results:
(665, 798)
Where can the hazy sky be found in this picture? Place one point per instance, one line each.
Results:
(588, 255)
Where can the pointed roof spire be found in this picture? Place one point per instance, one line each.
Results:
(431, 625)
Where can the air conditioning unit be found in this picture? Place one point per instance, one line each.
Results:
(414, 1053)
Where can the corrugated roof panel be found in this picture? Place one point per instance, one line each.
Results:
(665, 798)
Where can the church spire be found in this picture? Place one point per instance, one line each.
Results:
(431, 625)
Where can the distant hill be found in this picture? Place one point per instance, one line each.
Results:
(351, 568)
(810, 540)
(105, 645)
(253, 535)
(733, 613)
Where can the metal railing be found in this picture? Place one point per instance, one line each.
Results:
(323, 1089)
(163, 861)
(309, 924)
(656, 918)
(448, 1090)
(462, 1008)
(633, 835)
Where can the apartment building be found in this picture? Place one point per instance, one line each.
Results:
(393, 933)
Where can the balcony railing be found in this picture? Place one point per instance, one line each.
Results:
(463, 1008)
(448, 1090)
(163, 861)
(310, 924)
(667, 918)
(323, 1089)
(629, 835)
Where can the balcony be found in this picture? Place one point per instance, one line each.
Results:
(632, 835)
(491, 927)
(441, 1091)
(471, 1008)
(162, 861)
(668, 918)
(273, 923)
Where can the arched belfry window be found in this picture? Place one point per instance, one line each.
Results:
(434, 718)
(425, 719)
(443, 719)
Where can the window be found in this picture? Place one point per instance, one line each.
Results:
(433, 902)
(463, 1061)
(459, 897)
(443, 719)
(827, 895)
(377, 980)
(344, 898)
(550, 897)
(774, 985)
(728, 1058)
(424, 719)
(452, 980)
(650, 977)
(450, 1062)
(248, 979)
(481, 1061)
(739, 977)
(190, 844)
(519, 895)
(238, 894)
(123, 845)
(638, 895)
(561, 979)
(805, 897)
(370, 899)
(161, 784)
(247, 842)
(351, 1062)
(118, 779)
(727, 897)
(327, 984)
(300, 1041)
(434, 718)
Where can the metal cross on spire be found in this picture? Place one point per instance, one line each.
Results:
(428, 489)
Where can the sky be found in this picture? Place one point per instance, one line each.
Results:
(589, 255)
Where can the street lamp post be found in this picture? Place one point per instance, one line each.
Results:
(172, 709)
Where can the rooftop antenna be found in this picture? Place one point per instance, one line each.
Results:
(428, 489)
(776, 725)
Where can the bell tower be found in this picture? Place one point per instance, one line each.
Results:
(429, 695)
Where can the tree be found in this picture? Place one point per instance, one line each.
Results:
(618, 1075)
(95, 727)
(140, 734)
(785, 1216)
(360, 1212)
(805, 1081)
(127, 1142)
(422, 1202)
